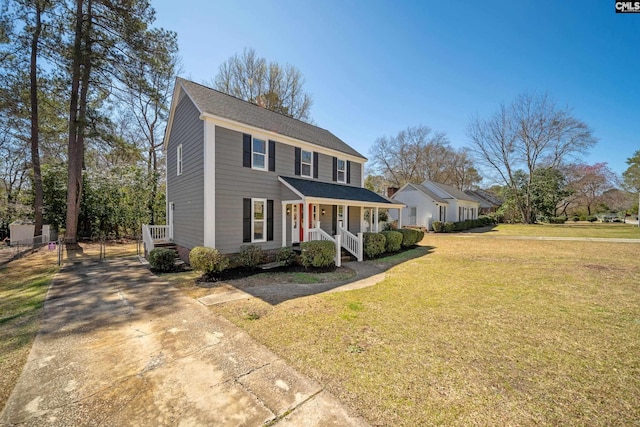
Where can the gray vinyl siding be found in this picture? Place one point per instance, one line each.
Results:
(235, 182)
(326, 220)
(187, 190)
(356, 174)
(325, 168)
(354, 219)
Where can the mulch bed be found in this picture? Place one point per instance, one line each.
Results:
(243, 272)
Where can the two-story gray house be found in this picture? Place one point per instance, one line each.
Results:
(239, 174)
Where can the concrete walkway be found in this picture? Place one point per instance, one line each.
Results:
(366, 275)
(119, 347)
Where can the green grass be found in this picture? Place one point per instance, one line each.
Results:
(482, 332)
(569, 229)
(23, 289)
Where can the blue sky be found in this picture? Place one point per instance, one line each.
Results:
(374, 68)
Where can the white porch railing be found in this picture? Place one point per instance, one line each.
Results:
(154, 233)
(319, 234)
(351, 242)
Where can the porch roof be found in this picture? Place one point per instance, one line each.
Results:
(336, 193)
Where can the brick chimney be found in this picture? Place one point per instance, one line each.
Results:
(391, 191)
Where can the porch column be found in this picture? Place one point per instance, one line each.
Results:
(305, 223)
(284, 224)
(362, 218)
(399, 218)
(375, 220)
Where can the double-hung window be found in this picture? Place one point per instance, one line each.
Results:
(342, 170)
(179, 160)
(259, 152)
(306, 163)
(259, 224)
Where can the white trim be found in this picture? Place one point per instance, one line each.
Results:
(264, 220)
(209, 171)
(302, 151)
(179, 160)
(284, 224)
(283, 139)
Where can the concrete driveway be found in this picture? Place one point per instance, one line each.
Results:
(120, 347)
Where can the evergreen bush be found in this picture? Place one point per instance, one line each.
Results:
(318, 253)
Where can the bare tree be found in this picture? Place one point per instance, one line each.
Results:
(530, 133)
(271, 85)
(416, 154)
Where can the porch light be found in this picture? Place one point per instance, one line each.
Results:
(322, 212)
(288, 211)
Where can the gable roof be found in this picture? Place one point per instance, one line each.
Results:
(216, 103)
(422, 189)
(486, 199)
(452, 191)
(327, 190)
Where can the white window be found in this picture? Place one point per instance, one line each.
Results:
(259, 223)
(259, 152)
(443, 213)
(179, 160)
(306, 163)
(342, 171)
(341, 216)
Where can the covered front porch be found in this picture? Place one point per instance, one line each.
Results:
(334, 212)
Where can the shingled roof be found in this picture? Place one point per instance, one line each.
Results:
(326, 190)
(220, 104)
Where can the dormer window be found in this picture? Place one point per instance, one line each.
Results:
(306, 163)
(342, 170)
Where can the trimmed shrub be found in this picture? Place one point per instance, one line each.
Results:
(591, 218)
(409, 237)
(576, 218)
(583, 217)
(207, 260)
(438, 226)
(420, 236)
(393, 240)
(557, 219)
(318, 253)
(374, 244)
(162, 259)
(449, 227)
(286, 255)
(250, 256)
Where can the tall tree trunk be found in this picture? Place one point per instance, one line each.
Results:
(35, 128)
(75, 154)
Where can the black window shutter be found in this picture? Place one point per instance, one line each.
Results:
(269, 219)
(348, 172)
(272, 156)
(315, 164)
(246, 150)
(334, 214)
(335, 168)
(298, 160)
(246, 220)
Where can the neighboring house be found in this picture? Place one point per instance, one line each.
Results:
(432, 201)
(239, 174)
(489, 202)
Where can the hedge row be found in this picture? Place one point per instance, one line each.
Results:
(375, 244)
(449, 227)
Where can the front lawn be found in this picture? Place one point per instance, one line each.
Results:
(569, 229)
(474, 332)
(23, 287)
